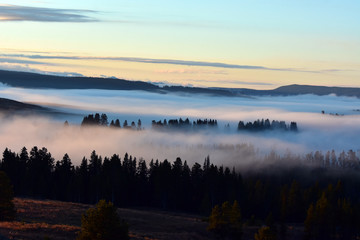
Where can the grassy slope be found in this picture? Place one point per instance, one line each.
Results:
(60, 220)
(54, 220)
(11, 105)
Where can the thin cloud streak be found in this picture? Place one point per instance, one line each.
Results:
(21, 61)
(36, 14)
(234, 82)
(160, 61)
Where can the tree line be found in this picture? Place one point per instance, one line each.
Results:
(325, 199)
(261, 125)
(102, 120)
(184, 124)
(258, 125)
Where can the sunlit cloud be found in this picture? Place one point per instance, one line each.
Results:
(190, 71)
(161, 61)
(26, 68)
(22, 61)
(37, 14)
(233, 82)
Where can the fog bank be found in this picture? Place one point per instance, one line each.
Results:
(316, 131)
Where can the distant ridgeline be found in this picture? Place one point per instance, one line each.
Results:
(262, 125)
(174, 123)
(102, 120)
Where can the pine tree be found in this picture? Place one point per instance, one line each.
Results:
(225, 221)
(103, 223)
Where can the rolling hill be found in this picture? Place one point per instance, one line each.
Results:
(42, 81)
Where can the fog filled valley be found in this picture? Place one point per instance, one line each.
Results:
(336, 128)
(287, 162)
(179, 120)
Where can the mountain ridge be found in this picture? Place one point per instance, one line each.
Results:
(43, 81)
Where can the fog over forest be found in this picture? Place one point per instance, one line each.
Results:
(317, 131)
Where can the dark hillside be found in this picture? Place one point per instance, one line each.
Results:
(295, 89)
(11, 105)
(33, 80)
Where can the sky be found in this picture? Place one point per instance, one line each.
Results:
(258, 44)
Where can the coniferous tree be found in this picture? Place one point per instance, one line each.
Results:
(7, 208)
(103, 223)
(117, 123)
(225, 221)
(104, 120)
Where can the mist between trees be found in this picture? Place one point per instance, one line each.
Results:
(286, 192)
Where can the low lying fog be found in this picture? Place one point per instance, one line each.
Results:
(316, 131)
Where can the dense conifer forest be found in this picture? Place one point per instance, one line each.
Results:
(321, 191)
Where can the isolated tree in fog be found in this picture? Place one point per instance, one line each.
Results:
(117, 123)
(125, 125)
(103, 223)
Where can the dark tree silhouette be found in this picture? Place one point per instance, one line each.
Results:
(103, 223)
(7, 209)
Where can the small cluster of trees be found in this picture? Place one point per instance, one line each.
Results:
(225, 221)
(95, 120)
(175, 123)
(261, 125)
(334, 114)
(102, 120)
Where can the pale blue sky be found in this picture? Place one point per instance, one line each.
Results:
(317, 41)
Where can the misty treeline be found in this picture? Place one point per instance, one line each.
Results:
(323, 192)
(258, 125)
(183, 124)
(102, 120)
(261, 125)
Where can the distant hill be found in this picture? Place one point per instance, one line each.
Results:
(34, 80)
(7, 105)
(42, 81)
(295, 89)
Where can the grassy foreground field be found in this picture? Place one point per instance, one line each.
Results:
(56, 220)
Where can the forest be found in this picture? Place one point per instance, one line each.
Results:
(320, 191)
